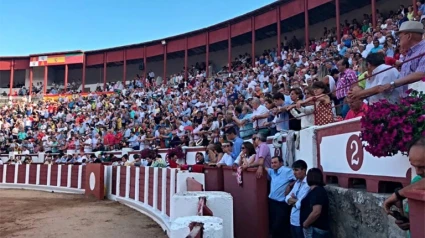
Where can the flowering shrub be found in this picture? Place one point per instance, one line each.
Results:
(177, 151)
(391, 128)
(148, 153)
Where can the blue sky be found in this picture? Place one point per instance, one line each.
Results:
(30, 26)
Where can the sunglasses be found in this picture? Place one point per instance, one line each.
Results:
(243, 148)
(253, 138)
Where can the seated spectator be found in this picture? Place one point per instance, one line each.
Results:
(215, 153)
(227, 157)
(236, 142)
(199, 158)
(247, 155)
(357, 107)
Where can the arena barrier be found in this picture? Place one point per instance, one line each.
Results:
(343, 160)
(164, 195)
(146, 189)
(51, 178)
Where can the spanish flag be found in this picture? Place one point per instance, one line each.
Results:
(52, 60)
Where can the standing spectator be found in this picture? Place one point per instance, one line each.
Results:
(281, 114)
(294, 198)
(382, 74)
(262, 156)
(281, 180)
(236, 140)
(410, 35)
(314, 214)
(347, 78)
(259, 116)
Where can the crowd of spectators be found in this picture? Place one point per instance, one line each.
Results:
(283, 91)
(256, 97)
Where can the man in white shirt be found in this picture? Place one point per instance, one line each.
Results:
(376, 64)
(259, 116)
(368, 47)
(227, 158)
(88, 145)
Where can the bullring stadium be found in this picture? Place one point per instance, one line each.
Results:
(225, 131)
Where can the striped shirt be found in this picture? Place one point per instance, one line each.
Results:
(346, 79)
(416, 65)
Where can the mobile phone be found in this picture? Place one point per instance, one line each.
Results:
(397, 215)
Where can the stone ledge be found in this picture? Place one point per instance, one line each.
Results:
(357, 213)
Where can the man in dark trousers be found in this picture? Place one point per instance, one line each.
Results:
(281, 180)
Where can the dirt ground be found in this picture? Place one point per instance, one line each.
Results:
(44, 215)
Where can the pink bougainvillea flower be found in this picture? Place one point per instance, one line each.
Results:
(407, 129)
(389, 129)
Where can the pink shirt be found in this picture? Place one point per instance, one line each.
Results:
(263, 151)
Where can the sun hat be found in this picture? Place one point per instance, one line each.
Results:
(411, 26)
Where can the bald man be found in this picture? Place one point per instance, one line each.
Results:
(357, 107)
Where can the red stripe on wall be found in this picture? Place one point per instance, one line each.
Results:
(43, 174)
(150, 196)
(114, 180)
(54, 175)
(64, 176)
(33, 174)
(74, 177)
(83, 178)
(142, 185)
(10, 174)
(123, 174)
(132, 181)
(21, 173)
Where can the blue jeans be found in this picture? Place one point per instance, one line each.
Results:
(297, 232)
(345, 108)
(319, 233)
(313, 232)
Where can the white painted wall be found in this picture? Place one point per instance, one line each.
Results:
(213, 227)
(221, 204)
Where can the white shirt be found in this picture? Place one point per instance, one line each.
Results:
(88, 145)
(226, 159)
(261, 110)
(367, 49)
(384, 78)
(332, 85)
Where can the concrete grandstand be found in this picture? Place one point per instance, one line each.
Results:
(265, 28)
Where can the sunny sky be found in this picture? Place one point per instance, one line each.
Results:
(30, 26)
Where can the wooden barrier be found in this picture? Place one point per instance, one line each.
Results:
(251, 204)
(214, 180)
(416, 200)
(62, 178)
(193, 185)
